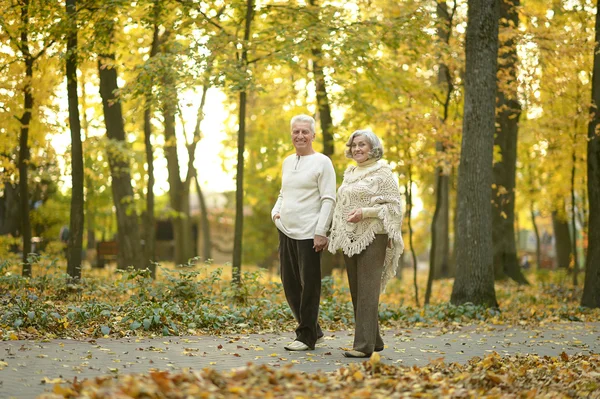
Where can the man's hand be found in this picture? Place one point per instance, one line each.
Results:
(320, 242)
(276, 216)
(355, 216)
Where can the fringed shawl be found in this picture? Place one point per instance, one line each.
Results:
(368, 187)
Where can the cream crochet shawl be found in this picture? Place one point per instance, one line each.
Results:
(367, 187)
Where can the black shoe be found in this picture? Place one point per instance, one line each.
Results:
(354, 353)
(379, 348)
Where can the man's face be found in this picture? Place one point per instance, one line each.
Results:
(302, 137)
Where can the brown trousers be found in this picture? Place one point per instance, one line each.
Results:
(364, 276)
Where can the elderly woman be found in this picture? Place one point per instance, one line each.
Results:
(367, 228)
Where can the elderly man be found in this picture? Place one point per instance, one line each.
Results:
(302, 214)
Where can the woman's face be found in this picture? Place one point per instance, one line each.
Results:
(360, 149)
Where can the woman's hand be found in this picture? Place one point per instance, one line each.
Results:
(355, 216)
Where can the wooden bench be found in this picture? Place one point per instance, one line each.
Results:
(106, 251)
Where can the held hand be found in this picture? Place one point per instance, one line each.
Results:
(320, 243)
(276, 216)
(355, 216)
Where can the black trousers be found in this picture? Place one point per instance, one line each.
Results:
(301, 278)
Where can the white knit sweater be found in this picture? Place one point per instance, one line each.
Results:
(305, 202)
(373, 188)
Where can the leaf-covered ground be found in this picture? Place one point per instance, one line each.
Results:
(200, 299)
(197, 300)
(522, 376)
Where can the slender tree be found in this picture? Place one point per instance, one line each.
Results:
(193, 171)
(591, 289)
(562, 237)
(148, 217)
(129, 238)
(439, 258)
(409, 204)
(178, 189)
(508, 112)
(9, 210)
(76, 224)
(323, 104)
(575, 270)
(324, 117)
(25, 47)
(205, 222)
(475, 273)
(239, 182)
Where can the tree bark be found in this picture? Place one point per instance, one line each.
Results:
(328, 260)
(439, 258)
(192, 173)
(10, 221)
(89, 210)
(508, 111)
(148, 217)
(323, 106)
(408, 190)
(538, 246)
(178, 195)
(475, 272)
(76, 224)
(562, 239)
(241, 141)
(573, 217)
(205, 222)
(129, 245)
(24, 154)
(591, 287)
(437, 267)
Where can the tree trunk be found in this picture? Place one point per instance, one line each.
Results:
(24, 140)
(437, 267)
(408, 190)
(76, 225)
(241, 141)
(508, 111)
(475, 270)
(562, 239)
(439, 258)
(206, 239)
(538, 245)
(591, 288)
(177, 193)
(89, 210)
(10, 221)
(328, 260)
(323, 104)
(573, 218)
(148, 217)
(582, 216)
(129, 245)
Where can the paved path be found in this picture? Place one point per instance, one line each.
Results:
(28, 368)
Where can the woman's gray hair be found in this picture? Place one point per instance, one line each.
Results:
(376, 147)
(304, 118)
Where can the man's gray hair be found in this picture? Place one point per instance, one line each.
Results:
(304, 118)
(376, 147)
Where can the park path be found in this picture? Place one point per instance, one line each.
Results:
(29, 368)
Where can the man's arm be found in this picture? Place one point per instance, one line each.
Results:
(277, 208)
(327, 193)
